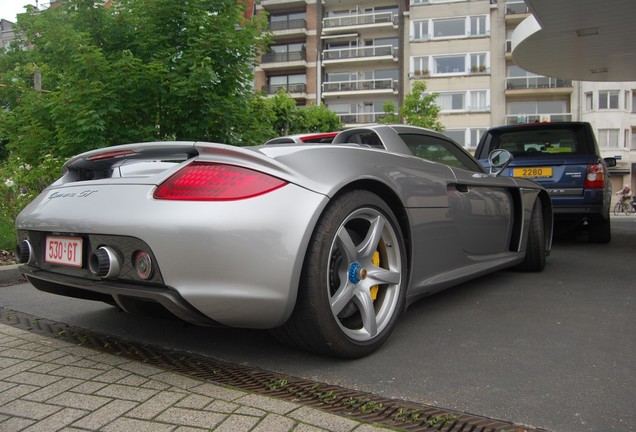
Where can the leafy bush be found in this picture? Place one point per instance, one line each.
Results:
(19, 184)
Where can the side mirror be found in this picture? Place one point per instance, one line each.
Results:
(498, 160)
(610, 162)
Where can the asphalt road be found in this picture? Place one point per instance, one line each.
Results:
(555, 350)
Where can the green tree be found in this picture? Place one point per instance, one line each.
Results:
(284, 108)
(390, 117)
(316, 118)
(140, 70)
(419, 108)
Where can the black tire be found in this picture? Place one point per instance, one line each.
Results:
(353, 283)
(600, 230)
(534, 260)
(617, 208)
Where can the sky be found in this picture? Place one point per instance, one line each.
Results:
(9, 8)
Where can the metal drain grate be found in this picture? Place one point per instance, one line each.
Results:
(404, 415)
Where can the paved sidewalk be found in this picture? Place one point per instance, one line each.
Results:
(47, 384)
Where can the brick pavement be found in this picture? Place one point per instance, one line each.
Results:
(51, 385)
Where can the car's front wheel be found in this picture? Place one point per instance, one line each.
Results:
(353, 284)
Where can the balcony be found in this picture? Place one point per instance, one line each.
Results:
(297, 24)
(428, 2)
(537, 82)
(385, 85)
(516, 11)
(374, 52)
(360, 118)
(536, 118)
(297, 88)
(278, 5)
(284, 60)
(379, 19)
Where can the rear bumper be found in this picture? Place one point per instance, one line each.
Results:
(237, 263)
(115, 292)
(579, 213)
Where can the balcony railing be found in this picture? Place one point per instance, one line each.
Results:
(360, 52)
(289, 88)
(360, 85)
(536, 82)
(359, 20)
(516, 7)
(287, 25)
(535, 118)
(361, 118)
(289, 56)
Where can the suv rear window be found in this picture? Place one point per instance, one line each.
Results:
(538, 142)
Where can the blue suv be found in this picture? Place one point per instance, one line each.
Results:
(564, 158)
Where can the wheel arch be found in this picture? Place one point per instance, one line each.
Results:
(548, 218)
(392, 199)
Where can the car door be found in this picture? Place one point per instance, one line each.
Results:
(481, 206)
(483, 211)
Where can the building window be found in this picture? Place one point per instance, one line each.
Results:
(478, 25)
(288, 21)
(475, 136)
(449, 64)
(474, 100)
(478, 100)
(451, 101)
(533, 111)
(455, 27)
(467, 137)
(634, 101)
(449, 27)
(420, 65)
(478, 62)
(419, 30)
(608, 138)
(458, 135)
(608, 99)
(589, 106)
(295, 83)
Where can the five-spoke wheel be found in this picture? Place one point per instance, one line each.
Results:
(353, 284)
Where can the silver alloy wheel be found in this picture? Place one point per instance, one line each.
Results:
(365, 274)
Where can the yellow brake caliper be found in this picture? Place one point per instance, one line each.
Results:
(376, 262)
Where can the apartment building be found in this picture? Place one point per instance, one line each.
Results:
(361, 59)
(357, 55)
(292, 62)
(343, 53)
(7, 34)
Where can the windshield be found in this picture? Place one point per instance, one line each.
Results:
(538, 142)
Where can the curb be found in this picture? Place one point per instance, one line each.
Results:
(10, 273)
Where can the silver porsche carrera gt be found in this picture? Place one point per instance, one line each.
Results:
(325, 244)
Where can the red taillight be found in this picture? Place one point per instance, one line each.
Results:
(595, 176)
(216, 182)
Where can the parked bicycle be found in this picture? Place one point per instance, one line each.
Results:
(625, 205)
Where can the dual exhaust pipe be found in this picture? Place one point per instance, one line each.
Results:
(103, 262)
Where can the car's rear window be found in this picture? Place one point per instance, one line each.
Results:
(538, 142)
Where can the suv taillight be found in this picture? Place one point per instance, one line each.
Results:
(201, 181)
(595, 176)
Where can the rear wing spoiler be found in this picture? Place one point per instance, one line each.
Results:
(101, 163)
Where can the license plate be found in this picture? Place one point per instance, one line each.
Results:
(64, 250)
(532, 172)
